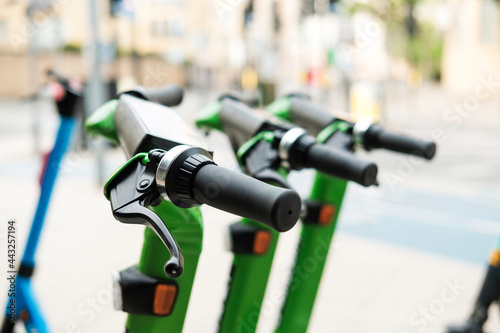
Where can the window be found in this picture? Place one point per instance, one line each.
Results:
(3, 31)
(489, 21)
(158, 28)
(176, 28)
(173, 28)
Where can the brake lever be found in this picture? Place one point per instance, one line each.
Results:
(272, 177)
(345, 141)
(341, 140)
(261, 161)
(131, 190)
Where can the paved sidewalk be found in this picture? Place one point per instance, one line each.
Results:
(369, 285)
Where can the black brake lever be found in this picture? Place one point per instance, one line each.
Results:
(344, 141)
(272, 177)
(261, 161)
(130, 192)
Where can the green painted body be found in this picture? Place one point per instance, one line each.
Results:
(209, 117)
(250, 272)
(314, 245)
(249, 276)
(244, 148)
(248, 281)
(185, 225)
(315, 240)
(102, 122)
(280, 108)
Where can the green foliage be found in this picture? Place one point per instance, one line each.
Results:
(72, 48)
(426, 51)
(423, 50)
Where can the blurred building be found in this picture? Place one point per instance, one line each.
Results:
(287, 39)
(472, 44)
(211, 42)
(282, 39)
(167, 34)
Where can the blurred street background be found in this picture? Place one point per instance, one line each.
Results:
(429, 68)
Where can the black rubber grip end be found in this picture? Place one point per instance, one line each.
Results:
(251, 99)
(376, 137)
(369, 175)
(429, 149)
(284, 215)
(341, 164)
(239, 194)
(169, 95)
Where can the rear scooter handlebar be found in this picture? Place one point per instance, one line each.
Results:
(297, 148)
(376, 137)
(305, 114)
(169, 95)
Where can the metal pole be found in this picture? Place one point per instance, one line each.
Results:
(95, 91)
(33, 82)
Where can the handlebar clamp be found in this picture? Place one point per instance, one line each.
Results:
(180, 163)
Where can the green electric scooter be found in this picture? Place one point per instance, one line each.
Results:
(316, 236)
(168, 175)
(266, 151)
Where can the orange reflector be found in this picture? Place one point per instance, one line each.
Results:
(24, 316)
(326, 214)
(164, 299)
(261, 242)
(495, 258)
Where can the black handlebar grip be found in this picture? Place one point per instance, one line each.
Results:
(169, 95)
(376, 137)
(238, 117)
(242, 195)
(239, 122)
(250, 98)
(306, 115)
(341, 164)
